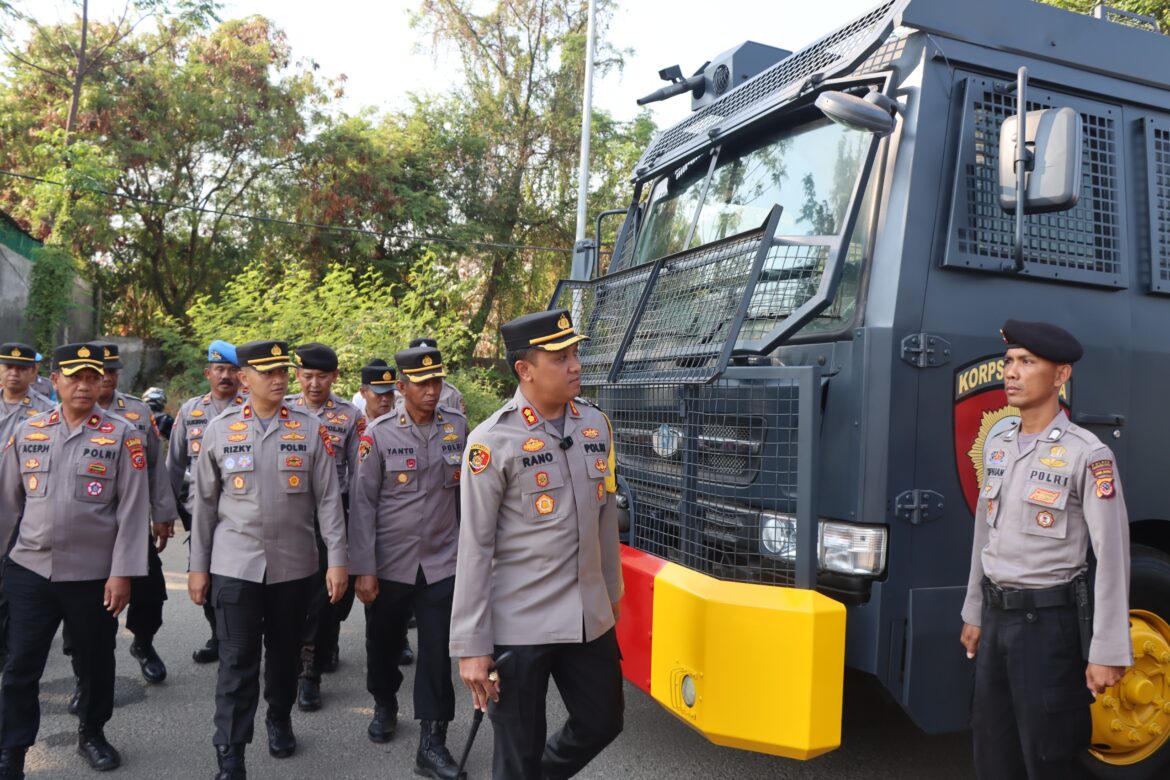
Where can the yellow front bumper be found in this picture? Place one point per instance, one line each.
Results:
(755, 667)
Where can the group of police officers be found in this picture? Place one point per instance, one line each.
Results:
(295, 505)
(502, 542)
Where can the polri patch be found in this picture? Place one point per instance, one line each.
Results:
(478, 458)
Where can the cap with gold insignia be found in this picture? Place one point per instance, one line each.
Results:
(264, 355)
(423, 341)
(378, 376)
(220, 351)
(1042, 339)
(17, 354)
(550, 331)
(68, 359)
(316, 356)
(111, 358)
(420, 364)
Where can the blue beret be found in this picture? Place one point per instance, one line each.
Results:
(1043, 339)
(222, 352)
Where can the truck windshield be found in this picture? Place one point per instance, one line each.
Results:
(810, 170)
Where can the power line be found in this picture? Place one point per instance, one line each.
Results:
(292, 223)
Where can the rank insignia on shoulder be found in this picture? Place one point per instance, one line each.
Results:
(294, 424)
(238, 426)
(1045, 519)
(365, 445)
(106, 440)
(237, 437)
(36, 437)
(39, 423)
(8, 444)
(532, 445)
(542, 479)
(478, 458)
(545, 504)
(529, 415)
(291, 436)
(590, 433)
(573, 409)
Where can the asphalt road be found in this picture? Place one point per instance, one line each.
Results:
(164, 731)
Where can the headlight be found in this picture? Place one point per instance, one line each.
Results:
(778, 536)
(847, 548)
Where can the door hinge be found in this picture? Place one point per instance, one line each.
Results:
(922, 350)
(918, 506)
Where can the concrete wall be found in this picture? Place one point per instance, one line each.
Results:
(140, 364)
(15, 275)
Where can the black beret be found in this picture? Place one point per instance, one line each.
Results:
(551, 331)
(16, 354)
(316, 356)
(424, 341)
(378, 376)
(264, 355)
(1043, 339)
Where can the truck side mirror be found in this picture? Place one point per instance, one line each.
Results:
(1053, 176)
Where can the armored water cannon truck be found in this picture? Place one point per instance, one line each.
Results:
(797, 341)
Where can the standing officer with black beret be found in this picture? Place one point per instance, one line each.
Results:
(223, 391)
(539, 570)
(1050, 490)
(316, 372)
(74, 489)
(265, 473)
(403, 545)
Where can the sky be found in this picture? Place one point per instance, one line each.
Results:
(372, 43)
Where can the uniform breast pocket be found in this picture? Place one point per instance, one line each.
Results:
(596, 456)
(990, 498)
(1044, 512)
(34, 472)
(294, 474)
(94, 481)
(543, 492)
(402, 473)
(238, 475)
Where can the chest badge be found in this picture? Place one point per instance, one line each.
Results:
(238, 482)
(294, 481)
(1054, 463)
(103, 441)
(292, 424)
(590, 433)
(600, 464)
(196, 412)
(532, 445)
(32, 463)
(1044, 496)
(542, 479)
(106, 427)
(96, 468)
(448, 428)
(403, 478)
(33, 482)
(1045, 519)
(292, 436)
(545, 504)
(195, 447)
(93, 489)
(238, 426)
(601, 491)
(237, 437)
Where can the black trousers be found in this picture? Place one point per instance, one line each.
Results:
(386, 618)
(144, 616)
(589, 678)
(322, 619)
(247, 615)
(1030, 714)
(37, 606)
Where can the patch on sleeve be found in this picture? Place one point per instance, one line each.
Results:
(328, 442)
(478, 458)
(1102, 471)
(360, 424)
(365, 444)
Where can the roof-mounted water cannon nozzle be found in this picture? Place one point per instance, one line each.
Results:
(678, 85)
(873, 113)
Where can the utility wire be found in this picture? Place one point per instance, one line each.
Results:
(292, 223)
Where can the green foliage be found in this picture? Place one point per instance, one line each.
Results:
(1159, 9)
(50, 283)
(482, 392)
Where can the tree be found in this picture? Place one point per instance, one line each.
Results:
(1159, 9)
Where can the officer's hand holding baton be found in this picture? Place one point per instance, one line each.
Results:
(491, 678)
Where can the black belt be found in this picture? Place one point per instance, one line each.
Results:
(1028, 598)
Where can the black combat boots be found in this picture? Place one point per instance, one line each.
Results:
(154, 670)
(231, 762)
(12, 764)
(92, 744)
(433, 759)
(383, 724)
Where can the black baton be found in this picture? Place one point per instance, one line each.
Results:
(476, 719)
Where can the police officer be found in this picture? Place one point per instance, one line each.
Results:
(18, 368)
(403, 542)
(316, 373)
(265, 471)
(223, 380)
(451, 397)
(74, 488)
(41, 384)
(538, 571)
(1050, 489)
(377, 389)
(147, 594)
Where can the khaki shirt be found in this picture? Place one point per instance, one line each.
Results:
(162, 498)
(1038, 511)
(187, 440)
(449, 397)
(78, 496)
(31, 405)
(539, 559)
(256, 492)
(345, 425)
(403, 502)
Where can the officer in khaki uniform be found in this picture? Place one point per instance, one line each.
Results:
(223, 379)
(74, 489)
(539, 569)
(1050, 489)
(316, 373)
(265, 471)
(404, 536)
(147, 594)
(18, 368)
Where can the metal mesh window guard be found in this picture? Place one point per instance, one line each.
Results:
(1158, 170)
(1083, 244)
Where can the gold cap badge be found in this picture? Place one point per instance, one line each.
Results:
(105, 352)
(563, 322)
(276, 350)
(15, 352)
(83, 352)
(386, 376)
